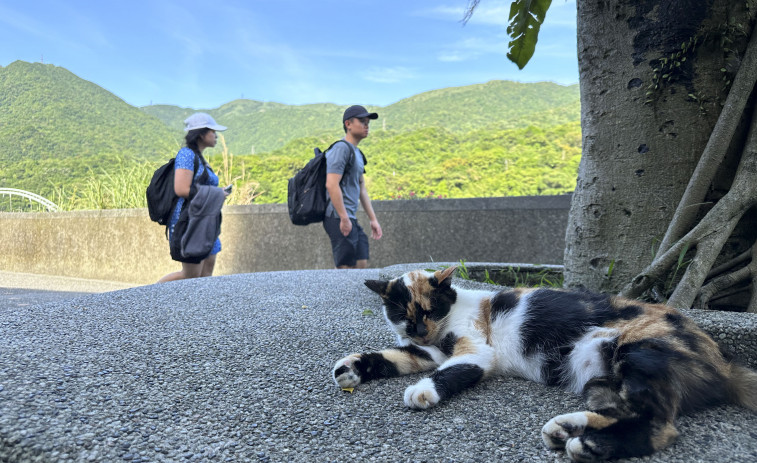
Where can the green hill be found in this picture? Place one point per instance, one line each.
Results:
(54, 125)
(256, 127)
(72, 141)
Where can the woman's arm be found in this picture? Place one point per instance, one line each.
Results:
(182, 182)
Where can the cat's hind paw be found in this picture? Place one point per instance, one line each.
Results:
(559, 429)
(422, 394)
(346, 373)
(584, 449)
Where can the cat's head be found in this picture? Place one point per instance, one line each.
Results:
(417, 303)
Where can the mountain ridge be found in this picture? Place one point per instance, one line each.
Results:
(68, 134)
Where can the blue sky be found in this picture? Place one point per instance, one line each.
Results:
(204, 54)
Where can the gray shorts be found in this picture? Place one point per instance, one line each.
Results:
(347, 250)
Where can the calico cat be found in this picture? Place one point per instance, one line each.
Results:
(637, 365)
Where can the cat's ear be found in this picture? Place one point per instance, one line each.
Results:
(377, 286)
(444, 277)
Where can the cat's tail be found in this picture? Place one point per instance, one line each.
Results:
(744, 386)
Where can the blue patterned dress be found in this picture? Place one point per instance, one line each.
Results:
(185, 159)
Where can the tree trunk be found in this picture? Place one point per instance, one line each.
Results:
(641, 144)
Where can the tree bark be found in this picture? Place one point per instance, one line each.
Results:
(716, 148)
(637, 158)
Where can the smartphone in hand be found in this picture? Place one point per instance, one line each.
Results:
(228, 189)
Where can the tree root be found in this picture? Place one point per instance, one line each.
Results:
(708, 236)
(711, 233)
(752, 307)
(714, 152)
(723, 284)
(726, 266)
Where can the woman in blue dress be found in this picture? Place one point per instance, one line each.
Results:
(201, 133)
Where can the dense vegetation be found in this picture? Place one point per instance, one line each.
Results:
(434, 162)
(82, 147)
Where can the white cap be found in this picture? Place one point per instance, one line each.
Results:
(201, 121)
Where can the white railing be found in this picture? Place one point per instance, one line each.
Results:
(11, 192)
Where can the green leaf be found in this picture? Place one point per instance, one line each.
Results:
(526, 17)
(682, 254)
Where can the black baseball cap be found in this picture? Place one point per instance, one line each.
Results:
(358, 111)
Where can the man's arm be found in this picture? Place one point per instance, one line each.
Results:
(337, 200)
(365, 200)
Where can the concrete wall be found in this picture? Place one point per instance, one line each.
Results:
(124, 245)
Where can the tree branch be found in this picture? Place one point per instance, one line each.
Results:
(716, 148)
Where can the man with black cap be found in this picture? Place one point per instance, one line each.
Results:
(345, 185)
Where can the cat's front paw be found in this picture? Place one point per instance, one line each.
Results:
(422, 394)
(559, 429)
(346, 373)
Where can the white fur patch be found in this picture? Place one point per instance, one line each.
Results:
(508, 346)
(561, 428)
(436, 355)
(421, 394)
(585, 361)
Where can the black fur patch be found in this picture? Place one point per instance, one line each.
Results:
(503, 302)
(678, 323)
(557, 318)
(442, 299)
(649, 368)
(396, 301)
(374, 366)
(447, 345)
(624, 439)
(416, 351)
(456, 378)
(630, 312)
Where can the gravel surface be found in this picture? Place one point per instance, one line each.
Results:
(238, 368)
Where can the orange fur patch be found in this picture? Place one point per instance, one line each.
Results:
(662, 438)
(597, 421)
(650, 324)
(419, 289)
(407, 363)
(464, 346)
(484, 321)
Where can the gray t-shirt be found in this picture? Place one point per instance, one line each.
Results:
(337, 158)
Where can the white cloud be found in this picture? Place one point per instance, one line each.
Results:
(388, 75)
(473, 47)
(451, 56)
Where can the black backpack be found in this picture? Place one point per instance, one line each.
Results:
(161, 197)
(306, 192)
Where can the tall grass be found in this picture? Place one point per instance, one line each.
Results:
(123, 187)
(245, 190)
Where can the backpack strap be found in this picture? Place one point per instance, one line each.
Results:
(352, 152)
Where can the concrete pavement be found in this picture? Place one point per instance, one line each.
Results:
(24, 289)
(238, 368)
